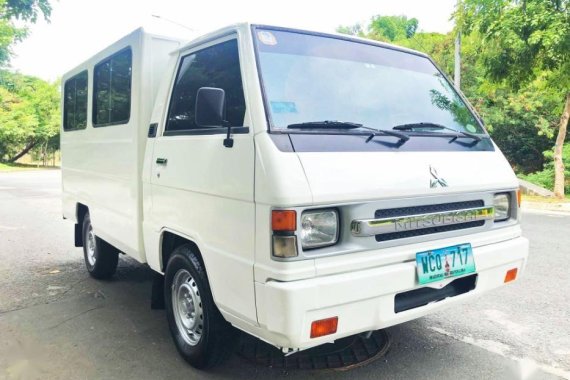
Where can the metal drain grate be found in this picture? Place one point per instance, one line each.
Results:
(342, 355)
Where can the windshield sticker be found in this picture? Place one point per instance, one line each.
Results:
(266, 38)
(471, 128)
(283, 107)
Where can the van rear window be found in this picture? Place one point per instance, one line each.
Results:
(112, 90)
(75, 102)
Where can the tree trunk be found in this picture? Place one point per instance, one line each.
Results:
(28, 147)
(558, 148)
(44, 154)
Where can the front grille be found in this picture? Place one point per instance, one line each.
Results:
(427, 209)
(427, 231)
(414, 210)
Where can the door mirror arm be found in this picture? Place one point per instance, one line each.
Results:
(228, 141)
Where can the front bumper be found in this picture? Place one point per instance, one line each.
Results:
(364, 300)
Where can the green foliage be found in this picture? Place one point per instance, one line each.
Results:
(23, 10)
(523, 123)
(524, 48)
(392, 28)
(545, 177)
(384, 28)
(438, 46)
(11, 167)
(29, 107)
(353, 30)
(520, 38)
(521, 109)
(29, 113)
(455, 106)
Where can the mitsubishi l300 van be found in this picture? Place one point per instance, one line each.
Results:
(298, 186)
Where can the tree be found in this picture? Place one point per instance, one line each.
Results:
(29, 114)
(24, 11)
(353, 30)
(383, 28)
(29, 107)
(392, 28)
(522, 122)
(523, 119)
(522, 39)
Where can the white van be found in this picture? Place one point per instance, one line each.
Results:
(299, 186)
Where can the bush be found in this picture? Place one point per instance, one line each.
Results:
(545, 177)
(523, 123)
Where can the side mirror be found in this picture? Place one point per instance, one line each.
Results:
(211, 110)
(210, 107)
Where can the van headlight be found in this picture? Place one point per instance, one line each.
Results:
(502, 204)
(319, 228)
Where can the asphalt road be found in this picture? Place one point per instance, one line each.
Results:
(58, 323)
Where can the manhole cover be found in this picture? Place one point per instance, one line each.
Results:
(344, 354)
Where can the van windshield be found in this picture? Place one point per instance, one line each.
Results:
(311, 78)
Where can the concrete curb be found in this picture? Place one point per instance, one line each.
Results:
(546, 206)
(532, 189)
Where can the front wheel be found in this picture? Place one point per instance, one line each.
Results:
(200, 333)
(101, 258)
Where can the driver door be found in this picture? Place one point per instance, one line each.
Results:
(202, 189)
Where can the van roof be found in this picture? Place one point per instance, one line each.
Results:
(246, 26)
(132, 36)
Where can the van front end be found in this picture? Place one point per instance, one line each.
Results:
(380, 197)
(373, 279)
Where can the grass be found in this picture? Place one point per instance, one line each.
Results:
(10, 167)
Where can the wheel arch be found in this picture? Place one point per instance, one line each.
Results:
(169, 241)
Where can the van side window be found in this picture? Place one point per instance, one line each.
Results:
(215, 66)
(112, 90)
(75, 102)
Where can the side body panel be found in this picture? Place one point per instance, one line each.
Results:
(101, 166)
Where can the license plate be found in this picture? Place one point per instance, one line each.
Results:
(442, 263)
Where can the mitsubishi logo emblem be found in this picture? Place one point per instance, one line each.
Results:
(436, 180)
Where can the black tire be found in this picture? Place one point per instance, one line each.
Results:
(103, 263)
(217, 338)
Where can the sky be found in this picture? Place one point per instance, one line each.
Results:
(80, 28)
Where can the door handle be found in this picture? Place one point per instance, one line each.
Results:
(162, 161)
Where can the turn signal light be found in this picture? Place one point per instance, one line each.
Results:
(511, 275)
(519, 195)
(284, 220)
(324, 327)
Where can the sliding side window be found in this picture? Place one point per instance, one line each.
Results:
(75, 102)
(112, 90)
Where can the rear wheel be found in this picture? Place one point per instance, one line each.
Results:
(101, 258)
(200, 333)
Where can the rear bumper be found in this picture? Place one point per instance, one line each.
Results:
(364, 300)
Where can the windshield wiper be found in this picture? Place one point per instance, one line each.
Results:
(334, 124)
(435, 126)
(325, 124)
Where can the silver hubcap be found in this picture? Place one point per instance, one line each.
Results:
(91, 247)
(187, 307)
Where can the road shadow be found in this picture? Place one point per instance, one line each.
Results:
(106, 329)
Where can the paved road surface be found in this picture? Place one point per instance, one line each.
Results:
(57, 322)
